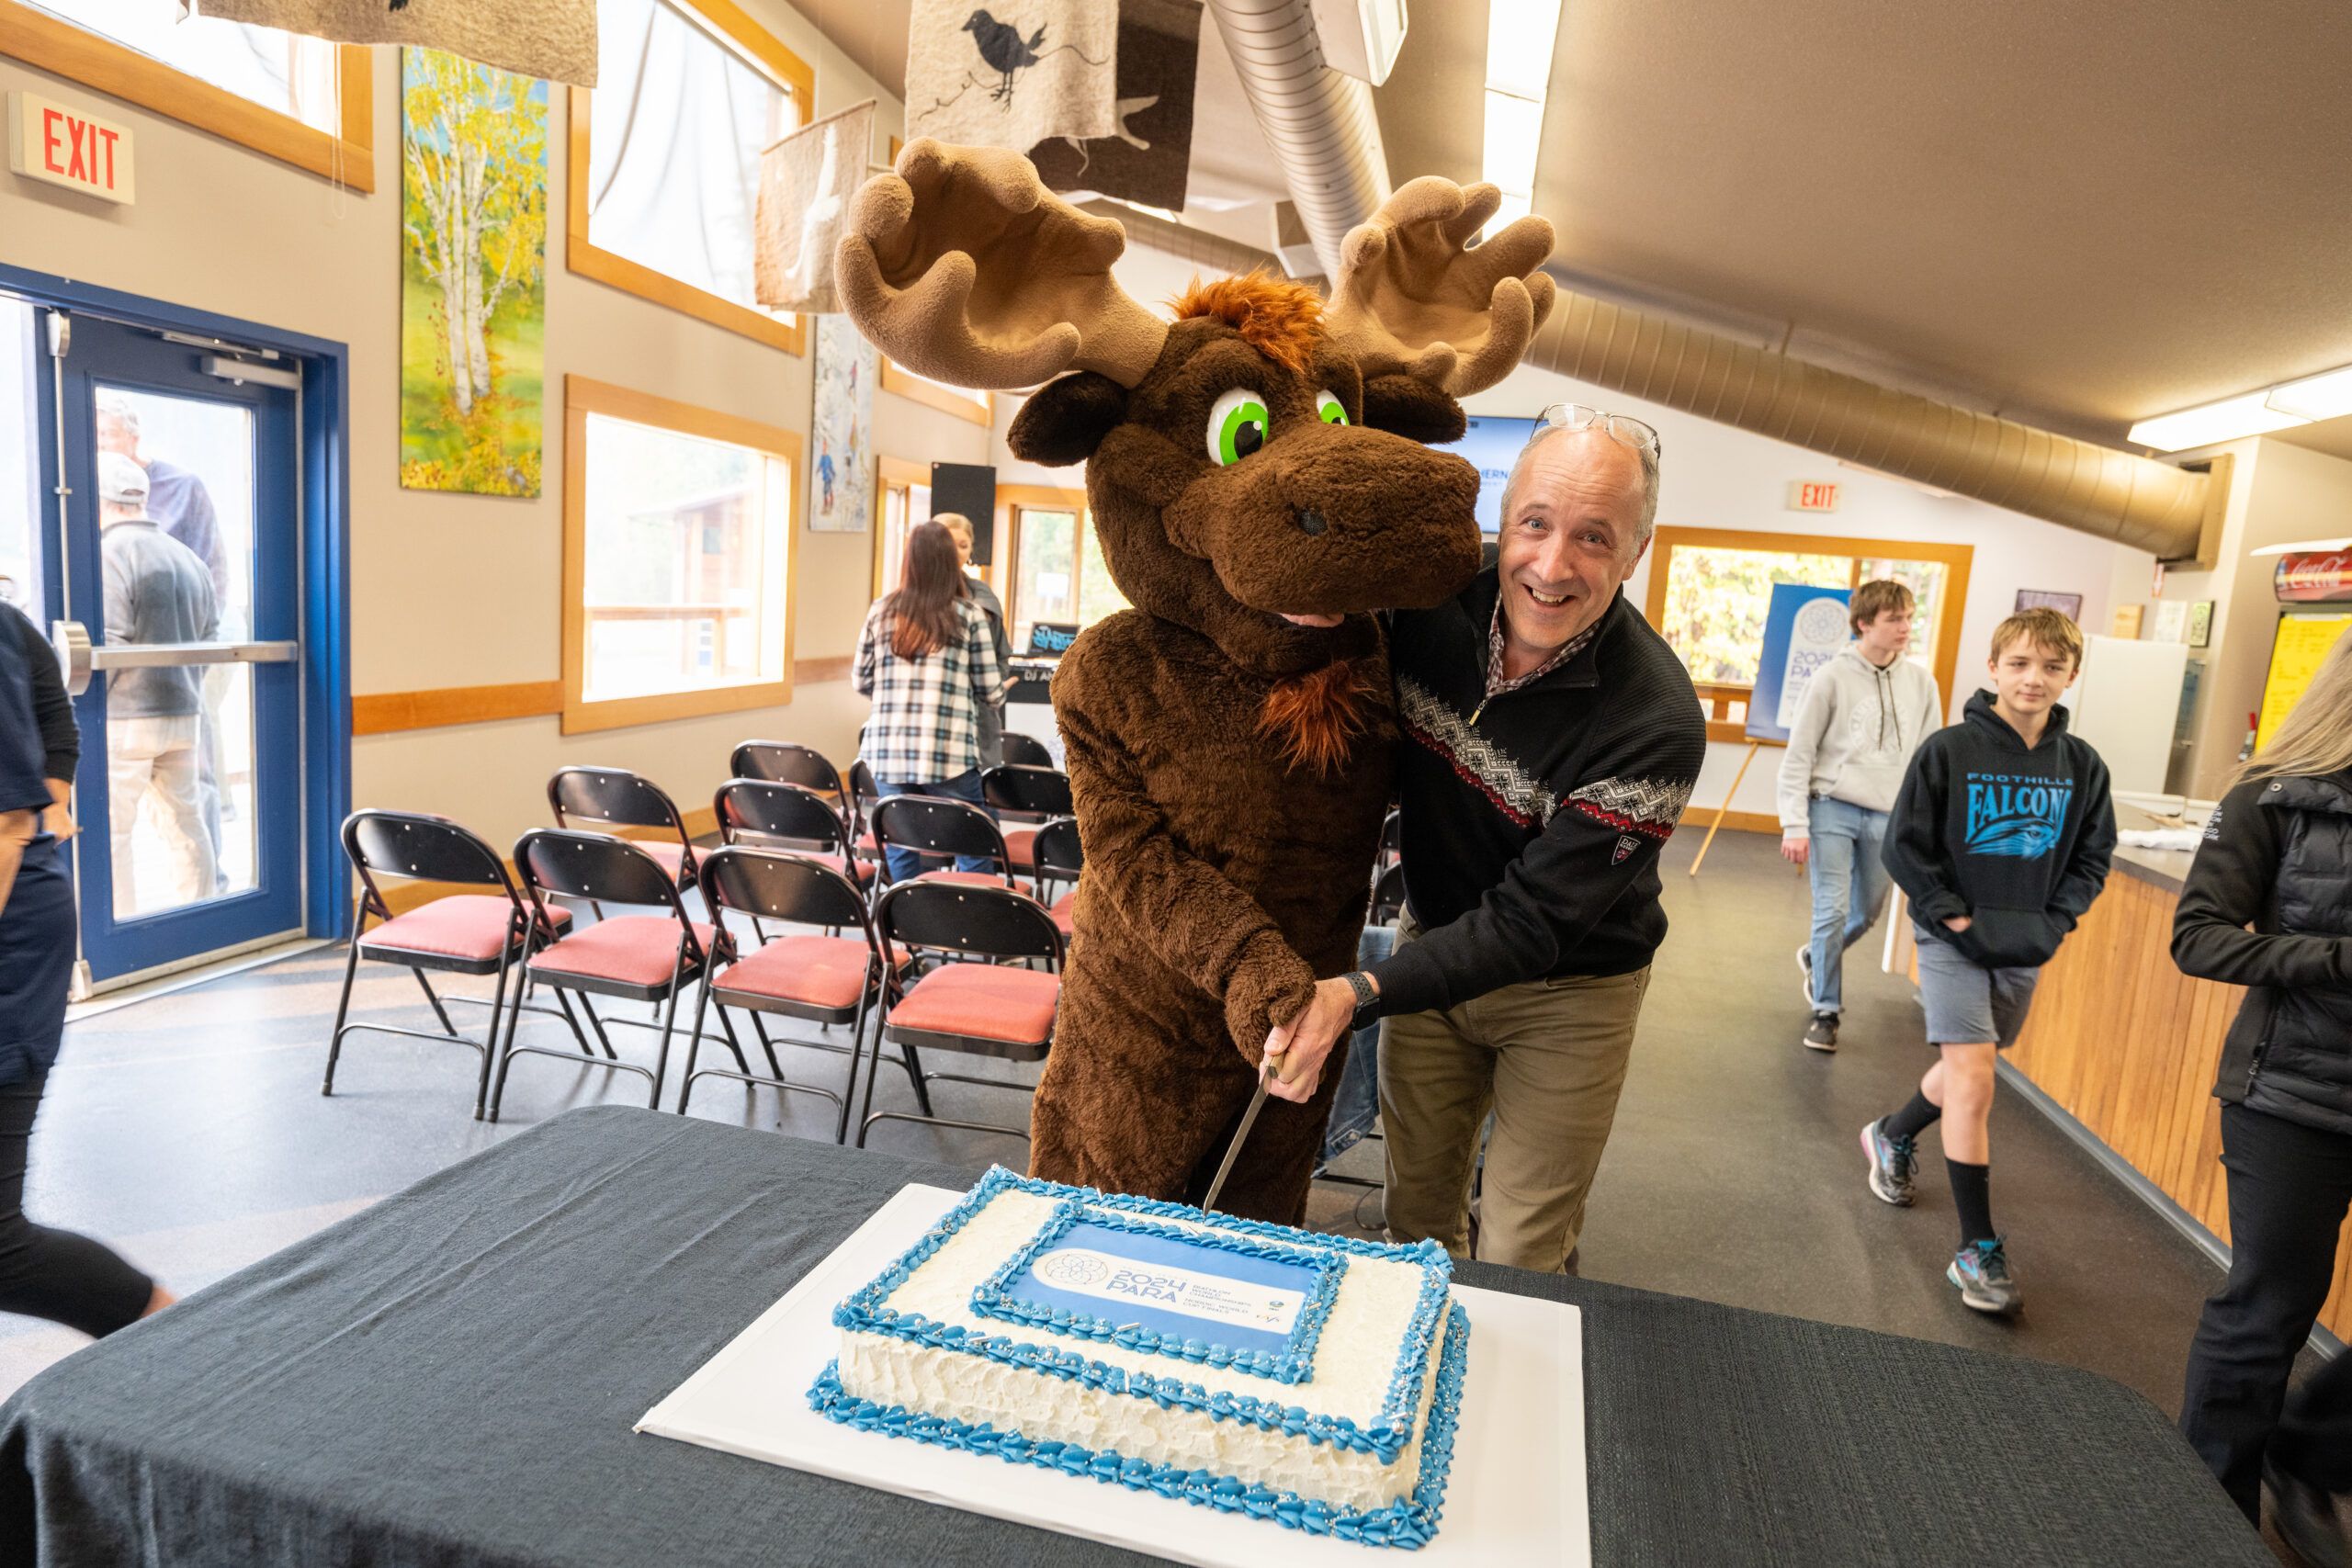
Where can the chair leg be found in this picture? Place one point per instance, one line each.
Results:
(661, 1057)
(342, 1010)
(849, 1084)
(489, 1041)
(865, 1109)
(569, 1017)
(742, 1063)
(506, 1060)
(694, 1048)
(598, 1025)
(438, 1011)
(914, 1072)
(760, 1028)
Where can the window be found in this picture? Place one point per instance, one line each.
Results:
(1058, 570)
(1710, 589)
(964, 402)
(906, 501)
(21, 515)
(665, 156)
(678, 568)
(303, 100)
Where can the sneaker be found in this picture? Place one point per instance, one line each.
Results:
(1981, 1270)
(1892, 1162)
(2311, 1521)
(1804, 967)
(1821, 1034)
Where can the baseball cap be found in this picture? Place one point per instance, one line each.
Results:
(121, 480)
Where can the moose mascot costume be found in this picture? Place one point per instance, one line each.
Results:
(1258, 479)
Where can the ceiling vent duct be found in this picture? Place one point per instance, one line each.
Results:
(2172, 513)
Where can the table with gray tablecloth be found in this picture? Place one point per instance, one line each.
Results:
(451, 1379)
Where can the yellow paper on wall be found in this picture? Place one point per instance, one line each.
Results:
(2303, 641)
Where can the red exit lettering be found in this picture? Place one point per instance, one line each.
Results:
(89, 148)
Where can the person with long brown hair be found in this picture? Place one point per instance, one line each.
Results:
(928, 658)
(2278, 857)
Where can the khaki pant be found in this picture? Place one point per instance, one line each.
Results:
(1547, 1057)
(156, 759)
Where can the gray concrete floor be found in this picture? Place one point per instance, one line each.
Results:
(189, 1131)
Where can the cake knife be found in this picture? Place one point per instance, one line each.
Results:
(1241, 1135)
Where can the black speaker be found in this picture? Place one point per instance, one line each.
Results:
(970, 488)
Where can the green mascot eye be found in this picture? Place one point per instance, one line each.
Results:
(1239, 426)
(1328, 408)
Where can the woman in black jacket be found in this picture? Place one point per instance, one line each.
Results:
(2278, 857)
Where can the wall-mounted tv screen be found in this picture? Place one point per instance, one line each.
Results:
(1491, 443)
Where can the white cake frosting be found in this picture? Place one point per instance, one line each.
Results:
(1339, 1422)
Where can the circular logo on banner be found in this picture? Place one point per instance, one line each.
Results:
(1821, 620)
(1075, 1269)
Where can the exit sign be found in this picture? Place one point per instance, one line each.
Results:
(1811, 495)
(48, 141)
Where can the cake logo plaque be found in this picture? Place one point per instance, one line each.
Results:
(1211, 1297)
(1077, 1270)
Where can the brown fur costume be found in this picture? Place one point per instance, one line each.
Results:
(1230, 768)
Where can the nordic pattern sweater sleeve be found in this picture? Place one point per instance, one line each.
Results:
(2230, 888)
(1914, 850)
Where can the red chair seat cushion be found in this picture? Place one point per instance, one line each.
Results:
(967, 878)
(985, 1001)
(632, 950)
(868, 846)
(671, 855)
(1064, 911)
(1021, 844)
(856, 870)
(821, 971)
(465, 925)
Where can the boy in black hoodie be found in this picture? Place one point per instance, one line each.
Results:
(2000, 838)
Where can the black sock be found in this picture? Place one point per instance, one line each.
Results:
(1913, 1118)
(1971, 1195)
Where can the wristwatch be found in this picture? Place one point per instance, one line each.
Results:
(1367, 1000)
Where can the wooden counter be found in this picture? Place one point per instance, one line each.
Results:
(2128, 1045)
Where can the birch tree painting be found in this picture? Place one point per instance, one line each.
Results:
(473, 220)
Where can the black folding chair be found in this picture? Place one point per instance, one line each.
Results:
(645, 958)
(1391, 842)
(786, 817)
(1022, 796)
(1025, 751)
(933, 826)
(1059, 857)
(462, 933)
(784, 762)
(862, 792)
(829, 979)
(1387, 897)
(983, 1008)
(615, 797)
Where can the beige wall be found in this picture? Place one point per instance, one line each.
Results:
(462, 590)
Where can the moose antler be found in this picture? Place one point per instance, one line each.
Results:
(1410, 298)
(963, 266)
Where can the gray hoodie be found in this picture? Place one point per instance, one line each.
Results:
(1854, 735)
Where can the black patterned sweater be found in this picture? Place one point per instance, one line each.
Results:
(1533, 820)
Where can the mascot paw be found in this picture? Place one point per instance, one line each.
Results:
(1266, 992)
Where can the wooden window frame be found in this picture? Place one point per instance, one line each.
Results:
(582, 397)
(52, 44)
(1956, 560)
(895, 473)
(1011, 502)
(931, 394)
(729, 26)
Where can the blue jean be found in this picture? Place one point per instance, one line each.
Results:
(907, 864)
(1849, 888)
(1355, 1105)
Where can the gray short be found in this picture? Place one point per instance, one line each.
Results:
(1968, 1004)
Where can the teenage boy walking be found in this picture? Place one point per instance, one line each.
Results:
(1863, 715)
(2000, 838)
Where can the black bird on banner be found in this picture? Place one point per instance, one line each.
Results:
(1001, 46)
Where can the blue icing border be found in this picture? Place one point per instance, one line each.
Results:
(1292, 1364)
(1385, 1436)
(1408, 1523)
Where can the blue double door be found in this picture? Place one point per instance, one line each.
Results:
(172, 467)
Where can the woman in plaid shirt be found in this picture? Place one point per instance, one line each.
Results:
(928, 658)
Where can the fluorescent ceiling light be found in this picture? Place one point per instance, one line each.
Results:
(2225, 420)
(1519, 34)
(2323, 396)
(1513, 126)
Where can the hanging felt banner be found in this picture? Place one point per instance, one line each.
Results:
(806, 180)
(1148, 158)
(1040, 69)
(551, 39)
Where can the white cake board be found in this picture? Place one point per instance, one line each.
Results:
(1516, 1495)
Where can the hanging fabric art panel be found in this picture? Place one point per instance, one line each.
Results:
(1015, 76)
(553, 38)
(1148, 157)
(806, 179)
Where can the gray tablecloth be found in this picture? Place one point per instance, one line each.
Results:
(450, 1377)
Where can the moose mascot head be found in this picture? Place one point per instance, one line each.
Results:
(1257, 477)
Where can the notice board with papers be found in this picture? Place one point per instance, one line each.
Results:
(2295, 655)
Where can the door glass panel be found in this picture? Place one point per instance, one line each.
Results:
(1717, 599)
(903, 506)
(1045, 585)
(176, 514)
(1097, 595)
(19, 463)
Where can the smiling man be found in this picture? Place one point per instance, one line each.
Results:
(1553, 739)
